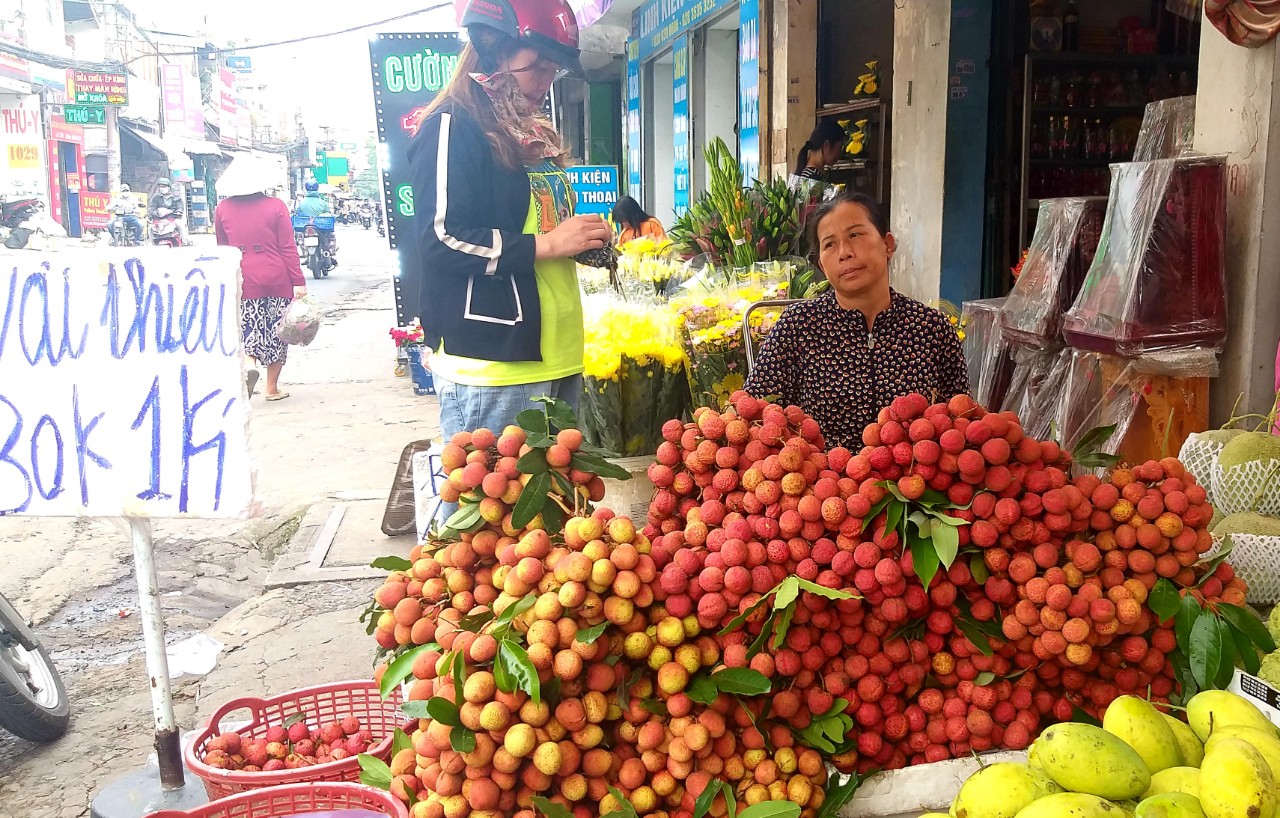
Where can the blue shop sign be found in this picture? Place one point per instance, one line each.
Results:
(658, 22)
(595, 187)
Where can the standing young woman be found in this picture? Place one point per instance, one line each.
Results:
(845, 355)
(500, 303)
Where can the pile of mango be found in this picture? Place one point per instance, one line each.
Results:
(1223, 762)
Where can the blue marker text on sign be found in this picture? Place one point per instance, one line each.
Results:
(634, 155)
(680, 122)
(749, 88)
(121, 386)
(595, 188)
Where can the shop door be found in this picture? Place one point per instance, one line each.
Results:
(715, 93)
(69, 176)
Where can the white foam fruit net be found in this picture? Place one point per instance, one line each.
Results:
(1250, 486)
(1200, 457)
(1256, 560)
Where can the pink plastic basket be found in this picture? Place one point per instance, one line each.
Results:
(321, 704)
(296, 799)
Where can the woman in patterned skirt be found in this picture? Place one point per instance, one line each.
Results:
(847, 354)
(270, 273)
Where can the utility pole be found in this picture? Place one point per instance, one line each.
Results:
(111, 37)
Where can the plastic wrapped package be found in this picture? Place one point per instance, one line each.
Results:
(1038, 379)
(1168, 129)
(1156, 402)
(986, 352)
(1062, 248)
(300, 322)
(1158, 280)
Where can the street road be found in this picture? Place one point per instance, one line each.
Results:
(342, 429)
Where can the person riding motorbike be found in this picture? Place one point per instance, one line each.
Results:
(315, 204)
(126, 207)
(165, 203)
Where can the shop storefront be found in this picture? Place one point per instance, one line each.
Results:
(66, 175)
(692, 76)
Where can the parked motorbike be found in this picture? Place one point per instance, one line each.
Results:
(13, 212)
(33, 701)
(164, 229)
(121, 234)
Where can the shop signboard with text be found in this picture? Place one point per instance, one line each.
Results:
(658, 22)
(174, 90)
(99, 88)
(595, 189)
(84, 114)
(21, 146)
(228, 119)
(635, 167)
(408, 71)
(94, 214)
(680, 122)
(749, 88)
(15, 72)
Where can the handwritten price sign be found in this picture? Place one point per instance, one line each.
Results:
(121, 390)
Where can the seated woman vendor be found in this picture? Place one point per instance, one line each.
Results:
(848, 353)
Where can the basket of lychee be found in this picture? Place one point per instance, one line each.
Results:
(307, 735)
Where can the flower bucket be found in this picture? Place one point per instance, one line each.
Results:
(422, 382)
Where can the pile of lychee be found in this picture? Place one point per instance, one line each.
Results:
(635, 637)
(288, 748)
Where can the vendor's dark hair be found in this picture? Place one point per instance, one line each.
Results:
(628, 213)
(875, 213)
(827, 130)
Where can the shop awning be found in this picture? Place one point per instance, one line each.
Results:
(149, 139)
(202, 147)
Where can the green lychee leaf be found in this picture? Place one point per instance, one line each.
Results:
(559, 412)
(533, 462)
(946, 542)
(1164, 600)
(475, 622)
(741, 619)
(400, 741)
(781, 622)
(655, 707)
(978, 568)
(740, 681)
(1220, 557)
(924, 559)
(1247, 624)
(701, 689)
(462, 740)
(391, 563)
(294, 719)
(588, 636)
(703, 804)
(974, 634)
(823, 591)
(785, 593)
(374, 772)
(627, 811)
(532, 500)
(550, 808)
(521, 605)
(443, 711)
(466, 518)
(1188, 611)
(401, 668)
(984, 678)
(517, 663)
(1246, 651)
(597, 465)
(534, 420)
(416, 710)
(839, 791)
(1206, 648)
(1227, 661)
(502, 679)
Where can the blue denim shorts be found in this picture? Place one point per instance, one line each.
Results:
(467, 408)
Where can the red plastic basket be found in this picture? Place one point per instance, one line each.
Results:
(321, 704)
(295, 799)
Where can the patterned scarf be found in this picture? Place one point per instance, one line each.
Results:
(524, 122)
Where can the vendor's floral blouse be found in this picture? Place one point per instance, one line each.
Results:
(824, 359)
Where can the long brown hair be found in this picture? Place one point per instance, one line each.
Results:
(465, 95)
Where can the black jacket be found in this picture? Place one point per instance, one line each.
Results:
(479, 293)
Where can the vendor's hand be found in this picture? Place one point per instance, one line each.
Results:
(574, 236)
(299, 292)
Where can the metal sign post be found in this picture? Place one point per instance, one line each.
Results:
(168, 739)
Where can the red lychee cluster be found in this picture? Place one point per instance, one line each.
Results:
(288, 748)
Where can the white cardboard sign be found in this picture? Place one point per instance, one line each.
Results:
(121, 385)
